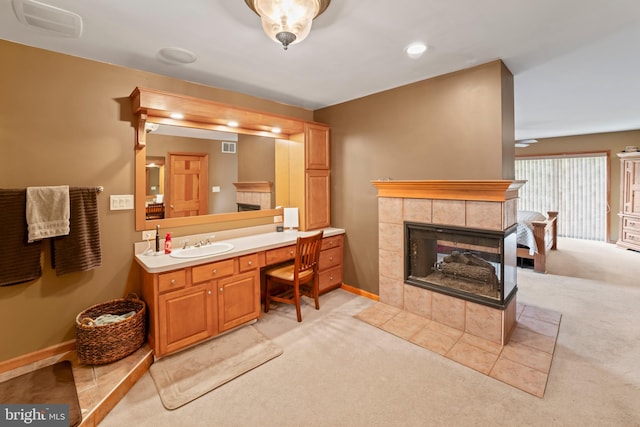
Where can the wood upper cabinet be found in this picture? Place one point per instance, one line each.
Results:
(629, 201)
(317, 202)
(309, 176)
(316, 146)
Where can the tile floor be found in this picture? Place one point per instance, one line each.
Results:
(523, 363)
(99, 387)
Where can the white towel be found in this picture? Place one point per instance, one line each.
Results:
(47, 212)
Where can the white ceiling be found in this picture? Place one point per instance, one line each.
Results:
(576, 62)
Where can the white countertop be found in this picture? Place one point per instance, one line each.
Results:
(158, 263)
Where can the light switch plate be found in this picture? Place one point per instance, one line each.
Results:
(121, 202)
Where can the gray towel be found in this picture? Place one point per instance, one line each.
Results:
(19, 260)
(80, 250)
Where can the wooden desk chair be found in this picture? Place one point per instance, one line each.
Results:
(296, 278)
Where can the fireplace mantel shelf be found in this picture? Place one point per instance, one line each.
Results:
(254, 186)
(485, 190)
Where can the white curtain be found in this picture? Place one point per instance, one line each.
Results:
(573, 185)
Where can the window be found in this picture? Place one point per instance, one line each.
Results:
(574, 185)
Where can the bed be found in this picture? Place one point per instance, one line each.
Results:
(536, 236)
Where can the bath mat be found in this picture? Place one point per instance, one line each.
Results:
(185, 376)
(52, 384)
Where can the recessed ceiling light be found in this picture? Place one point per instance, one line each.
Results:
(177, 116)
(233, 124)
(415, 50)
(176, 55)
(276, 130)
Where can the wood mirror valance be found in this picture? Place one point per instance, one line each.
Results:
(154, 106)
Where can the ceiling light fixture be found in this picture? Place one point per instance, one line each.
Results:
(287, 21)
(233, 124)
(177, 116)
(415, 50)
(276, 130)
(523, 143)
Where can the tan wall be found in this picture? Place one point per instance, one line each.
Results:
(613, 142)
(457, 126)
(65, 120)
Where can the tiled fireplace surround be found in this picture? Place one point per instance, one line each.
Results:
(489, 205)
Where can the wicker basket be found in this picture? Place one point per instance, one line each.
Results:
(100, 344)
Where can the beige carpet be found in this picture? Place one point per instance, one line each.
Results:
(339, 371)
(185, 376)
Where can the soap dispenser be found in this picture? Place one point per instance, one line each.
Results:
(167, 243)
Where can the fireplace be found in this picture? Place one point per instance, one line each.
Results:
(471, 264)
(471, 221)
(243, 207)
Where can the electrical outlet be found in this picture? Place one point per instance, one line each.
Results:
(277, 218)
(148, 235)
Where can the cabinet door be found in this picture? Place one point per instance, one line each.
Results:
(238, 299)
(317, 212)
(316, 146)
(631, 187)
(185, 317)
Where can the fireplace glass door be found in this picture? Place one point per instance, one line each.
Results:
(476, 265)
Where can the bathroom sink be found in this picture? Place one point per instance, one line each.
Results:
(202, 251)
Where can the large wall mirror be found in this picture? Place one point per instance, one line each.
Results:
(195, 170)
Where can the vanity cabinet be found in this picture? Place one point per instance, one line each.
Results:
(189, 305)
(629, 201)
(192, 303)
(329, 266)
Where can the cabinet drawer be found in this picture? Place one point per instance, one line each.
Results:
(330, 278)
(330, 258)
(331, 242)
(172, 280)
(631, 224)
(214, 270)
(630, 236)
(248, 262)
(275, 256)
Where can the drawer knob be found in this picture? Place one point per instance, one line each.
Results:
(250, 263)
(330, 277)
(290, 252)
(215, 271)
(221, 289)
(173, 281)
(208, 292)
(330, 258)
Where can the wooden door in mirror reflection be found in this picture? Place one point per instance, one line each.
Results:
(188, 184)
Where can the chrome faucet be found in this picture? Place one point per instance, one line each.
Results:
(185, 243)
